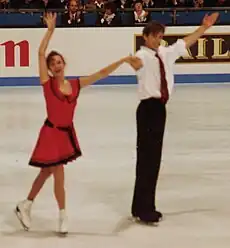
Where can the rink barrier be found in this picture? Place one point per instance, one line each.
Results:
(86, 50)
(126, 80)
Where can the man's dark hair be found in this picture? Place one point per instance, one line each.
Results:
(153, 27)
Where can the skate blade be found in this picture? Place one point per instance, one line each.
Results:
(62, 234)
(146, 223)
(18, 214)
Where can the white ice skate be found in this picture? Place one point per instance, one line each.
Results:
(63, 223)
(22, 211)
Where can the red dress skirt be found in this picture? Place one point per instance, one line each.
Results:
(57, 143)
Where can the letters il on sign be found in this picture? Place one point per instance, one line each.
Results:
(210, 48)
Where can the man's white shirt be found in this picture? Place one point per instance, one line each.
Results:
(149, 75)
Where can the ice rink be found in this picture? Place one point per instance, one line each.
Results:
(194, 183)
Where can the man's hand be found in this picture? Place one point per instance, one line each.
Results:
(209, 20)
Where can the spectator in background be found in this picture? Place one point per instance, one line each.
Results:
(139, 14)
(110, 17)
(4, 4)
(175, 3)
(98, 4)
(148, 4)
(122, 4)
(73, 17)
(198, 3)
(63, 3)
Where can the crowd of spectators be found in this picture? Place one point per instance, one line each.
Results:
(107, 14)
(60, 4)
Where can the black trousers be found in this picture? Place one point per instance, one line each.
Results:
(150, 117)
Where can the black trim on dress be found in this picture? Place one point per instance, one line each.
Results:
(65, 160)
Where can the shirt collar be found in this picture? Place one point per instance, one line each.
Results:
(153, 51)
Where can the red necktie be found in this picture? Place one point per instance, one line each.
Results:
(164, 88)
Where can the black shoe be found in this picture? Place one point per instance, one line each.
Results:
(159, 214)
(152, 218)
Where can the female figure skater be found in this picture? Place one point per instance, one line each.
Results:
(57, 143)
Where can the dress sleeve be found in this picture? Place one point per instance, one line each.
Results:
(46, 84)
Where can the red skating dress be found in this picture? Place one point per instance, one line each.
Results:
(57, 142)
